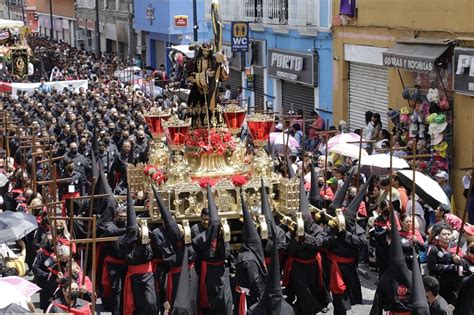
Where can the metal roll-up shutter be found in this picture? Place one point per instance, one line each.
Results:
(235, 82)
(301, 96)
(368, 90)
(258, 78)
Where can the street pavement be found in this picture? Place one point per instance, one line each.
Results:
(367, 280)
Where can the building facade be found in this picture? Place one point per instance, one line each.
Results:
(164, 23)
(64, 16)
(115, 26)
(289, 61)
(22, 10)
(396, 54)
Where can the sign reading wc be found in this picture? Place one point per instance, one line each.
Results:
(240, 36)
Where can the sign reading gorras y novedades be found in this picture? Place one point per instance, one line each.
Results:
(293, 66)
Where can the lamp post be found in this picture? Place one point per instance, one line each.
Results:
(51, 30)
(195, 21)
(97, 31)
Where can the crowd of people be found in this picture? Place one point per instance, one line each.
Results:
(90, 136)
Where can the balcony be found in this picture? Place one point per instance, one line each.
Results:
(276, 12)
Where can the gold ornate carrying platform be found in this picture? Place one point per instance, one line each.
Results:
(184, 160)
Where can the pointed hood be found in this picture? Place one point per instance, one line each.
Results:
(396, 252)
(94, 142)
(272, 155)
(213, 214)
(95, 168)
(182, 302)
(341, 194)
(105, 207)
(250, 234)
(291, 171)
(351, 212)
(315, 193)
(304, 204)
(272, 301)
(419, 303)
(266, 209)
(131, 215)
(166, 217)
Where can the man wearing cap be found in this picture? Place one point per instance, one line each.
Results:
(443, 180)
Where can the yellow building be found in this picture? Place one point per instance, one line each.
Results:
(393, 45)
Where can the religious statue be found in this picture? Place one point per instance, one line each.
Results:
(206, 71)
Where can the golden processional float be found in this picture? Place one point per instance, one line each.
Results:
(185, 158)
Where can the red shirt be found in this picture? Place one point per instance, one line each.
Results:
(318, 125)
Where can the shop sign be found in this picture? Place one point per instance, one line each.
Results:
(236, 59)
(464, 70)
(410, 64)
(292, 66)
(240, 36)
(180, 21)
(150, 13)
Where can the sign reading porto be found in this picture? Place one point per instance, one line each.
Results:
(464, 70)
(240, 36)
(292, 66)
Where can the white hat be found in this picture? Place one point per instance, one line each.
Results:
(442, 174)
(279, 126)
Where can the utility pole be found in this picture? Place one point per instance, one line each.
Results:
(195, 21)
(8, 7)
(51, 30)
(97, 30)
(23, 12)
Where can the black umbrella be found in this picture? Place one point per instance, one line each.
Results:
(16, 225)
(426, 188)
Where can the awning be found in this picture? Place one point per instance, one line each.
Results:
(414, 57)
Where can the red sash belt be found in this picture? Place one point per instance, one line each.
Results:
(203, 302)
(67, 196)
(242, 300)
(267, 261)
(84, 310)
(289, 266)
(128, 301)
(169, 284)
(336, 283)
(46, 252)
(398, 313)
(156, 262)
(105, 273)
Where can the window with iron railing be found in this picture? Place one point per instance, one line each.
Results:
(279, 12)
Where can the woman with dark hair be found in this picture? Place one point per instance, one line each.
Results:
(377, 126)
(383, 140)
(367, 134)
(408, 239)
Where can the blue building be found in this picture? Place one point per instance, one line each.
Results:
(290, 57)
(163, 23)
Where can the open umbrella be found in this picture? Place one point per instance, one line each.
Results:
(279, 141)
(379, 164)
(347, 149)
(426, 188)
(343, 138)
(15, 290)
(15, 225)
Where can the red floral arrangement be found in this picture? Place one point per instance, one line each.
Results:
(239, 180)
(203, 182)
(155, 174)
(214, 141)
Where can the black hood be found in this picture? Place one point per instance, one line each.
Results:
(169, 222)
(315, 198)
(182, 302)
(351, 212)
(419, 303)
(266, 208)
(304, 205)
(251, 237)
(340, 194)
